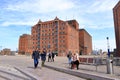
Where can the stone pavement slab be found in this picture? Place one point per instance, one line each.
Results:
(24, 66)
(8, 72)
(61, 64)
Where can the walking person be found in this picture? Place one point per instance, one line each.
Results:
(69, 56)
(35, 56)
(53, 55)
(43, 57)
(49, 56)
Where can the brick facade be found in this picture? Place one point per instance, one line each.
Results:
(85, 42)
(25, 44)
(116, 13)
(56, 36)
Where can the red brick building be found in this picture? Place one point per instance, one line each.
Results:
(116, 12)
(25, 44)
(85, 42)
(57, 36)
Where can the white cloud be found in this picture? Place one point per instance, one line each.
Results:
(30, 23)
(59, 8)
(101, 6)
(98, 27)
(41, 6)
(27, 12)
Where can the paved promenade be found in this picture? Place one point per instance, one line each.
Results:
(85, 71)
(21, 68)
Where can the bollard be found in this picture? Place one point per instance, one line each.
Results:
(109, 63)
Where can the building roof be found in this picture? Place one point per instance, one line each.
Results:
(39, 21)
(23, 35)
(56, 19)
(72, 21)
(117, 5)
(85, 31)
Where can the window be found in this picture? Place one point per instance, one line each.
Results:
(56, 40)
(53, 42)
(52, 33)
(63, 41)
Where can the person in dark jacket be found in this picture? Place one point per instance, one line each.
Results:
(69, 56)
(35, 56)
(53, 55)
(43, 57)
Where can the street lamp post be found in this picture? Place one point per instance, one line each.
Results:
(109, 62)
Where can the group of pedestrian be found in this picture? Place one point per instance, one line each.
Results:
(73, 60)
(51, 56)
(36, 55)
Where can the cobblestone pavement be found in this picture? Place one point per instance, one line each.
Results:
(25, 63)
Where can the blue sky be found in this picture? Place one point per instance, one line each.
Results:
(18, 16)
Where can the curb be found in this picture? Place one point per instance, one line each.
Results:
(28, 74)
(80, 74)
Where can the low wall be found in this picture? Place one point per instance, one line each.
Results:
(92, 60)
(98, 60)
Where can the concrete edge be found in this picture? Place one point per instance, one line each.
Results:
(4, 77)
(11, 74)
(80, 74)
(28, 74)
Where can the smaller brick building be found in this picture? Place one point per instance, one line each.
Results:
(85, 42)
(6, 51)
(25, 44)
